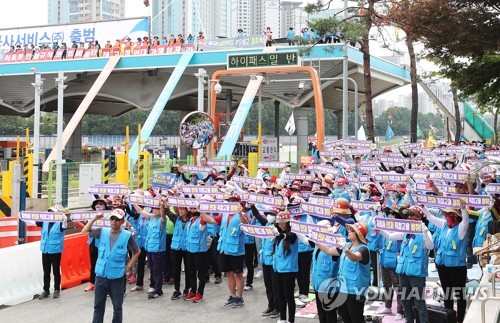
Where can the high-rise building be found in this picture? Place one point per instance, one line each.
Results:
(74, 11)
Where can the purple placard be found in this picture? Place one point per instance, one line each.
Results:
(306, 195)
(271, 165)
(197, 169)
(333, 153)
(493, 188)
(321, 200)
(422, 187)
(364, 205)
(145, 201)
(109, 189)
(182, 202)
(219, 207)
(395, 160)
(303, 177)
(443, 175)
(369, 168)
(42, 216)
(257, 231)
(358, 143)
(323, 169)
(410, 146)
(295, 210)
(398, 225)
(474, 200)
(327, 238)
(86, 215)
(199, 189)
(306, 228)
(105, 223)
(439, 201)
(246, 180)
(391, 177)
(224, 163)
(492, 153)
(316, 210)
(260, 199)
(358, 152)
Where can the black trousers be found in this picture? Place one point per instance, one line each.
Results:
(352, 309)
(285, 284)
(141, 265)
(167, 260)
(304, 274)
(374, 265)
(471, 231)
(325, 314)
(271, 284)
(249, 257)
(94, 254)
(197, 263)
(453, 281)
(178, 256)
(51, 260)
(213, 258)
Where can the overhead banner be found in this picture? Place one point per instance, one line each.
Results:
(81, 32)
(257, 231)
(236, 42)
(219, 207)
(398, 225)
(42, 216)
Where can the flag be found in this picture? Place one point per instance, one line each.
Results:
(419, 132)
(434, 129)
(389, 134)
(361, 133)
(290, 125)
(430, 141)
(450, 133)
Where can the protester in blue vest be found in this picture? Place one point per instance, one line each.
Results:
(52, 245)
(196, 247)
(155, 245)
(111, 266)
(178, 249)
(485, 217)
(285, 264)
(232, 249)
(97, 205)
(354, 272)
(324, 271)
(305, 252)
(141, 233)
(451, 256)
(290, 35)
(250, 250)
(412, 265)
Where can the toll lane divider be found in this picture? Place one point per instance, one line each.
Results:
(75, 261)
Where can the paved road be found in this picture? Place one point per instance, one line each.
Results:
(76, 306)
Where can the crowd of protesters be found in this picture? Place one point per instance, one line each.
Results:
(344, 174)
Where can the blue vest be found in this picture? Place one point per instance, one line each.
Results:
(251, 220)
(232, 238)
(195, 238)
(141, 232)
(212, 229)
(52, 241)
(323, 267)
(156, 241)
(356, 276)
(179, 236)
(302, 246)
(289, 263)
(451, 251)
(481, 230)
(111, 263)
(389, 255)
(414, 257)
(374, 239)
(266, 255)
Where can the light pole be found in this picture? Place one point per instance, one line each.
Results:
(60, 119)
(38, 85)
(345, 94)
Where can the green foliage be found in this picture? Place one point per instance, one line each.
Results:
(401, 126)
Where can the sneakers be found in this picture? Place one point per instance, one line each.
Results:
(259, 274)
(274, 314)
(154, 295)
(151, 290)
(239, 302)
(57, 293)
(218, 280)
(231, 299)
(44, 295)
(184, 293)
(198, 298)
(384, 310)
(267, 312)
(399, 317)
(304, 298)
(136, 288)
(248, 287)
(299, 303)
(176, 295)
(89, 288)
(189, 296)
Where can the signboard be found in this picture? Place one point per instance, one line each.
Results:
(257, 231)
(270, 148)
(163, 180)
(398, 225)
(219, 207)
(263, 60)
(42, 216)
(84, 32)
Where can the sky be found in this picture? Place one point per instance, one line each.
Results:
(13, 13)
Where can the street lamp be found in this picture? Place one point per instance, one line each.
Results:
(38, 85)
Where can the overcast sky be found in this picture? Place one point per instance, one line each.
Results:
(14, 13)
